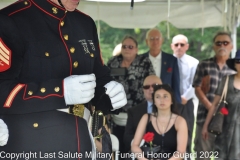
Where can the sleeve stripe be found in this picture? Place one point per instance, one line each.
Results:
(3, 59)
(12, 95)
(6, 56)
(4, 48)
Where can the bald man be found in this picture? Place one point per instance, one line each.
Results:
(187, 67)
(136, 113)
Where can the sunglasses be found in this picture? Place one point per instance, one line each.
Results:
(219, 43)
(237, 61)
(148, 86)
(177, 44)
(127, 46)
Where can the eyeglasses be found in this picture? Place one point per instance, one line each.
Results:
(177, 44)
(219, 43)
(148, 86)
(237, 61)
(127, 46)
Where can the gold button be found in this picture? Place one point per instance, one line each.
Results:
(91, 54)
(55, 10)
(30, 93)
(62, 23)
(65, 37)
(43, 90)
(72, 49)
(35, 125)
(56, 89)
(75, 64)
(46, 54)
(25, 2)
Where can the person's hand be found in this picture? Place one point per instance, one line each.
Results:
(3, 133)
(204, 133)
(184, 100)
(116, 93)
(79, 89)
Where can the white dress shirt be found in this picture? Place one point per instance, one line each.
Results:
(187, 68)
(156, 62)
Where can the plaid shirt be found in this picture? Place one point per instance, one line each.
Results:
(209, 67)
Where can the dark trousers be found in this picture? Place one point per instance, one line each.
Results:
(118, 131)
(187, 112)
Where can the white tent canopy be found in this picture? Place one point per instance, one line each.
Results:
(147, 14)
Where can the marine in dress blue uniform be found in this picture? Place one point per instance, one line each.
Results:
(41, 43)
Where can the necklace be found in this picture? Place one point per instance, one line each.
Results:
(166, 126)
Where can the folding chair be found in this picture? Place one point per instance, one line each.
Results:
(115, 145)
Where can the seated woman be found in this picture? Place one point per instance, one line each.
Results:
(169, 129)
(137, 69)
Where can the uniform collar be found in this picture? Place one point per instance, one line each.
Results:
(50, 8)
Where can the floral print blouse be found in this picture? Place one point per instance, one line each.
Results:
(132, 82)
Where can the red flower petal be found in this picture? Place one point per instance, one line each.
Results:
(148, 137)
(224, 111)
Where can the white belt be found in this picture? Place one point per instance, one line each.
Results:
(81, 111)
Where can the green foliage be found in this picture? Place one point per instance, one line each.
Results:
(200, 44)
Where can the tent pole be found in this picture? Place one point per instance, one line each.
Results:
(234, 40)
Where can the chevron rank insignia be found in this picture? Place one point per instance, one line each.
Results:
(5, 56)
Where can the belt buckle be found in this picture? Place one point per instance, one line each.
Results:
(78, 110)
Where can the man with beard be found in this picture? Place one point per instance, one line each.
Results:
(207, 77)
(51, 64)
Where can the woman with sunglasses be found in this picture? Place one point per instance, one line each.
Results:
(137, 69)
(169, 129)
(227, 146)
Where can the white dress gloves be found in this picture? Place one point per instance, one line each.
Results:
(117, 94)
(79, 89)
(3, 133)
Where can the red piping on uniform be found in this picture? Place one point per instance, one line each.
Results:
(55, 5)
(49, 95)
(44, 10)
(78, 139)
(20, 9)
(59, 27)
(82, 13)
(5, 104)
(100, 54)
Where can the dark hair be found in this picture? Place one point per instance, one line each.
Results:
(167, 88)
(130, 37)
(222, 33)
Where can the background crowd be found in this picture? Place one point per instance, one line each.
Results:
(185, 76)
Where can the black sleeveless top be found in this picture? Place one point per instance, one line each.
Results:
(168, 142)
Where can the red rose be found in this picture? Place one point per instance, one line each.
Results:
(148, 137)
(224, 111)
(169, 69)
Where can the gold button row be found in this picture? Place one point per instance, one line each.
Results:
(43, 90)
(65, 37)
(75, 64)
(62, 23)
(35, 125)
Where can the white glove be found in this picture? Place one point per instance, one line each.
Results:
(79, 89)
(117, 94)
(3, 133)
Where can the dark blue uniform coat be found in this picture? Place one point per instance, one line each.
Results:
(40, 45)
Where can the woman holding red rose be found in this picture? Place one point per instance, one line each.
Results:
(168, 128)
(227, 144)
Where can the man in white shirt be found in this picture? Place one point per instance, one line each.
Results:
(187, 67)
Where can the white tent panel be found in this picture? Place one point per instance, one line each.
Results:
(148, 15)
